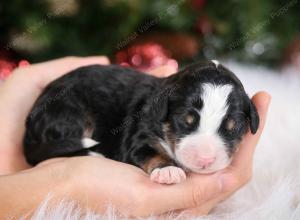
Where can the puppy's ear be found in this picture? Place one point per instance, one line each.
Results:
(253, 116)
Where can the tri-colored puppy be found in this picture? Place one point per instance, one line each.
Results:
(190, 121)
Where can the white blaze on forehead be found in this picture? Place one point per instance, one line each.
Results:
(214, 108)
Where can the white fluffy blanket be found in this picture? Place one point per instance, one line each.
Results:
(274, 191)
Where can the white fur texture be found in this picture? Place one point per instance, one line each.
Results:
(216, 62)
(167, 148)
(88, 142)
(214, 107)
(271, 195)
(95, 154)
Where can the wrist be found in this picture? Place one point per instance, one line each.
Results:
(26, 190)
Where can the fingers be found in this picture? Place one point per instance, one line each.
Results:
(163, 71)
(240, 171)
(203, 209)
(247, 147)
(195, 191)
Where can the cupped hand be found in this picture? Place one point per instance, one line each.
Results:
(95, 182)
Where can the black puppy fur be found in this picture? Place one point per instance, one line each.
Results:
(126, 112)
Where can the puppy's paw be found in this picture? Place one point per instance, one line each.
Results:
(168, 175)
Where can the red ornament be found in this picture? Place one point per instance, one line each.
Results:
(6, 67)
(8, 62)
(145, 57)
(179, 46)
(292, 54)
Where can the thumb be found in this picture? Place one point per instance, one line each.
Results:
(163, 71)
(195, 191)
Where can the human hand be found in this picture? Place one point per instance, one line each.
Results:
(18, 94)
(163, 71)
(96, 182)
(198, 194)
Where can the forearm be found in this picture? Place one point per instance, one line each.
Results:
(22, 192)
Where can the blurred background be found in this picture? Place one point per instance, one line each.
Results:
(147, 34)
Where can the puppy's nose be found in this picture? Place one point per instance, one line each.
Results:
(205, 162)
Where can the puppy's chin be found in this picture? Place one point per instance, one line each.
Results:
(209, 170)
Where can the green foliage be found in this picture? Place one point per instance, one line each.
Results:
(248, 30)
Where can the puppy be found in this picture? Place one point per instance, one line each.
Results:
(190, 121)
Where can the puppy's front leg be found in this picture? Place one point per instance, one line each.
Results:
(163, 170)
(160, 167)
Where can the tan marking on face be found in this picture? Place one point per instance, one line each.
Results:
(189, 119)
(89, 127)
(155, 162)
(88, 132)
(230, 125)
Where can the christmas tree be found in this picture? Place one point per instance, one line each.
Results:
(250, 30)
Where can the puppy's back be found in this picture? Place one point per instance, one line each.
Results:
(89, 101)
